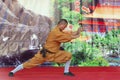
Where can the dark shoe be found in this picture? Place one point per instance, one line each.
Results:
(69, 74)
(11, 74)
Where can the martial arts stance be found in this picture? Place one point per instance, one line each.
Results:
(51, 51)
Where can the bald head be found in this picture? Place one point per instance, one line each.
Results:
(62, 24)
(63, 21)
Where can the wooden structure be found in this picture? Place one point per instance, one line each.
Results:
(104, 18)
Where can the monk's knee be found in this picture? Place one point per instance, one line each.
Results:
(69, 55)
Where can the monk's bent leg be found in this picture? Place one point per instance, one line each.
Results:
(35, 61)
(62, 56)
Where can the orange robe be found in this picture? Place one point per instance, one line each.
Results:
(53, 42)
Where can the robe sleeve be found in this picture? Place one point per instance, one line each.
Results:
(63, 37)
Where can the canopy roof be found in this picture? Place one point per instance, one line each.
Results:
(92, 22)
(108, 12)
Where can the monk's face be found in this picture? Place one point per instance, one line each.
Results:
(62, 26)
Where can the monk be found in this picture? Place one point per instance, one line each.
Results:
(51, 50)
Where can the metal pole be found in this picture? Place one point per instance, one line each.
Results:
(81, 10)
(80, 6)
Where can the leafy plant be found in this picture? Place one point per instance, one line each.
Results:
(82, 52)
(66, 11)
(96, 62)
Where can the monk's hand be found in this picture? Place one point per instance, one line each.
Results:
(80, 29)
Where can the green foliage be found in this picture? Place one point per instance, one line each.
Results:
(96, 62)
(113, 43)
(72, 16)
(110, 41)
(87, 1)
(64, 1)
(82, 52)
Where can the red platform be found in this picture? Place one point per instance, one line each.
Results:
(56, 73)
